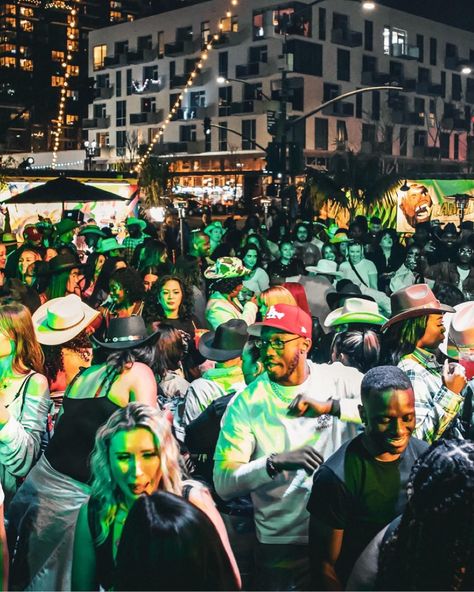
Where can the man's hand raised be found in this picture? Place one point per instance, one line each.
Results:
(302, 458)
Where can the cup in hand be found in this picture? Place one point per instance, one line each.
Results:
(466, 359)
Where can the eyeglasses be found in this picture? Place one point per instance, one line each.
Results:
(276, 344)
(465, 250)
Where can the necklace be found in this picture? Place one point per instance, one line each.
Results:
(282, 393)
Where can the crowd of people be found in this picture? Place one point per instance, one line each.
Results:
(276, 407)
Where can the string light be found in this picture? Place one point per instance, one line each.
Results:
(59, 122)
(191, 80)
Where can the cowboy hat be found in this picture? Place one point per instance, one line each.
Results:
(8, 239)
(132, 220)
(355, 310)
(226, 342)
(345, 289)
(340, 237)
(414, 301)
(108, 244)
(459, 330)
(61, 319)
(226, 267)
(65, 225)
(64, 262)
(125, 333)
(212, 226)
(92, 229)
(326, 267)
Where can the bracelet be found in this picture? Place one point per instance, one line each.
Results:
(270, 466)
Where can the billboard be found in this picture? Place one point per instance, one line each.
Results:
(428, 199)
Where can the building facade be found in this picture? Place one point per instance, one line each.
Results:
(36, 36)
(280, 57)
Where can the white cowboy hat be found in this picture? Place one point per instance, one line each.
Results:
(325, 266)
(355, 310)
(61, 319)
(459, 330)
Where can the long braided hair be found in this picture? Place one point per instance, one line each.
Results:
(433, 547)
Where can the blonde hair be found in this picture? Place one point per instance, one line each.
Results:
(17, 325)
(103, 488)
(276, 295)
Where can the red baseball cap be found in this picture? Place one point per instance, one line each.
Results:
(287, 318)
(32, 233)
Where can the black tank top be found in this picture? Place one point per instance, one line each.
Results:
(74, 434)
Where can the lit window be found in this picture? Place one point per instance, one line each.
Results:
(26, 65)
(73, 70)
(57, 80)
(28, 12)
(99, 53)
(71, 119)
(73, 45)
(7, 62)
(229, 24)
(57, 56)
(26, 26)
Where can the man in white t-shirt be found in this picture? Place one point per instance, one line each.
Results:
(270, 447)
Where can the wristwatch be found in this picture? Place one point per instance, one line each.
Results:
(270, 466)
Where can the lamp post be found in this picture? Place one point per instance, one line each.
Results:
(90, 149)
(461, 201)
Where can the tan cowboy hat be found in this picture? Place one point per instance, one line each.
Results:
(459, 330)
(355, 310)
(61, 319)
(414, 301)
(326, 267)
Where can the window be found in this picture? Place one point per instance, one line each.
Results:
(72, 70)
(150, 73)
(223, 68)
(129, 82)
(26, 65)
(419, 138)
(456, 87)
(223, 136)
(257, 25)
(229, 24)
(187, 133)
(433, 51)
(56, 56)
(225, 100)
(424, 75)
(148, 105)
(121, 142)
(118, 83)
(456, 147)
(341, 132)
(322, 24)
(420, 43)
(369, 64)
(161, 44)
(393, 36)
(321, 134)
(99, 111)
(368, 133)
(72, 119)
(55, 80)
(375, 105)
(420, 108)
(359, 106)
(26, 26)
(451, 50)
(121, 47)
(343, 65)
(249, 134)
(403, 149)
(197, 98)
(258, 54)
(27, 12)
(99, 53)
(368, 35)
(307, 57)
(205, 33)
(145, 42)
(121, 113)
(444, 142)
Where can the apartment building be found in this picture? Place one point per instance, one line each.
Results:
(140, 68)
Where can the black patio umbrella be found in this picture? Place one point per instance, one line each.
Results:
(63, 190)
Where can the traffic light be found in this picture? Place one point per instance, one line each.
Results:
(296, 162)
(207, 125)
(275, 158)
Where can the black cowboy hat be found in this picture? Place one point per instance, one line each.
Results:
(125, 333)
(345, 289)
(64, 262)
(226, 342)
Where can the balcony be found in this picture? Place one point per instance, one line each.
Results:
(180, 48)
(346, 37)
(249, 106)
(148, 86)
(96, 122)
(426, 152)
(405, 52)
(229, 39)
(179, 81)
(340, 109)
(454, 122)
(104, 92)
(170, 148)
(146, 118)
(375, 78)
(115, 61)
(430, 89)
(256, 69)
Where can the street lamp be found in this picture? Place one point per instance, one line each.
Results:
(90, 149)
(461, 201)
(224, 80)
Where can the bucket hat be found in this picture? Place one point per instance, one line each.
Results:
(92, 229)
(345, 289)
(459, 330)
(125, 333)
(287, 318)
(64, 262)
(226, 267)
(414, 301)
(108, 244)
(324, 266)
(355, 310)
(226, 342)
(61, 319)
(132, 220)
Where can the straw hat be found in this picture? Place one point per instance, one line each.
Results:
(355, 310)
(61, 319)
(459, 330)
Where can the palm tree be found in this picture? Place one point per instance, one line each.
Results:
(154, 177)
(354, 184)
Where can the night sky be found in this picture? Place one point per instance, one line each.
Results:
(458, 13)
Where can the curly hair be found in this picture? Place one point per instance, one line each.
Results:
(153, 311)
(225, 285)
(53, 354)
(131, 282)
(401, 338)
(251, 247)
(16, 324)
(433, 546)
(103, 488)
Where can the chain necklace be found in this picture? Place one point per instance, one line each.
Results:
(279, 391)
